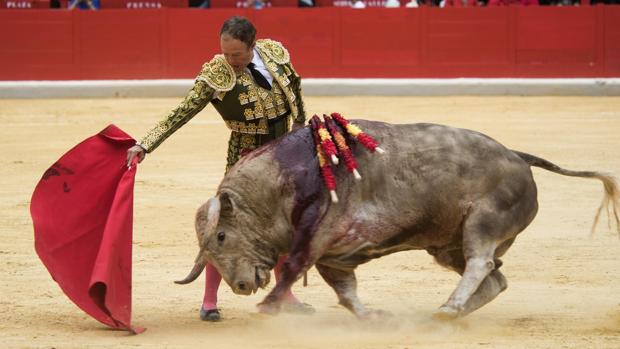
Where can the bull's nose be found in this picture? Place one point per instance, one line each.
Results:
(243, 287)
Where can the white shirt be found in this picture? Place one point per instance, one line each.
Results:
(260, 66)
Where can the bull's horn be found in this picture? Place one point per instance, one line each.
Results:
(207, 218)
(193, 275)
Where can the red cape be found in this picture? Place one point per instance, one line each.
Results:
(82, 210)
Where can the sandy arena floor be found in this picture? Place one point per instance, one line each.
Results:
(564, 287)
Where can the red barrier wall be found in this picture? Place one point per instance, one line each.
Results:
(324, 42)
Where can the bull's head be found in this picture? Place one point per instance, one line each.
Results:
(227, 237)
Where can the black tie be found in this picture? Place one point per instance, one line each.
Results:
(258, 77)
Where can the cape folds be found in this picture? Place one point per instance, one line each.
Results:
(82, 211)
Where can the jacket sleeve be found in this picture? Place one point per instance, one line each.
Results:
(296, 87)
(197, 98)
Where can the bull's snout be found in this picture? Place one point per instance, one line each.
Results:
(247, 282)
(241, 285)
(244, 288)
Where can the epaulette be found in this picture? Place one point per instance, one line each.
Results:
(218, 74)
(274, 50)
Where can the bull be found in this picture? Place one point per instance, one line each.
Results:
(458, 194)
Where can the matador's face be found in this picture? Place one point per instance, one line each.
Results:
(237, 53)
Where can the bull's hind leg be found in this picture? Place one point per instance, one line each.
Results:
(488, 230)
(477, 268)
(486, 236)
(344, 284)
(489, 288)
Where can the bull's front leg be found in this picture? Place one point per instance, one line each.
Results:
(345, 285)
(292, 269)
(300, 259)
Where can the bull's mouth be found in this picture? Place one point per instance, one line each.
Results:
(248, 286)
(261, 278)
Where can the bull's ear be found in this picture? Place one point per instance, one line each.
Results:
(226, 202)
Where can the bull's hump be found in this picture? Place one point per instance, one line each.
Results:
(296, 148)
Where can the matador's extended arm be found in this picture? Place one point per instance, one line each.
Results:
(197, 98)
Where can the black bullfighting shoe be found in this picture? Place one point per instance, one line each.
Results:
(212, 315)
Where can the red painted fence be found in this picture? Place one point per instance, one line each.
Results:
(324, 42)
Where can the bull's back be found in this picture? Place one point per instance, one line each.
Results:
(413, 196)
(434, 159)
(419, 191)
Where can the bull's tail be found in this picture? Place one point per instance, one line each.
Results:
(611, 200)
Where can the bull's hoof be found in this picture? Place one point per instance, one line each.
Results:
(374, 314)
(446, 313)
(268, 308)
(212, 315)
(298, 308)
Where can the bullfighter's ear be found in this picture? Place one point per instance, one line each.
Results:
(226, 202)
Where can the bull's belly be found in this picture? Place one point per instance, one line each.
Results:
(366, 254)
(360, 250)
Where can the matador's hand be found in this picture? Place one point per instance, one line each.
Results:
(134, 151)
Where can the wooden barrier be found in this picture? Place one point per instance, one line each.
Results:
(324, 42)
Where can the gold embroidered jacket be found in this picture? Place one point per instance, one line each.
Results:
(244, 106)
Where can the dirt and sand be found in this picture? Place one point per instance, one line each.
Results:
(564, 286)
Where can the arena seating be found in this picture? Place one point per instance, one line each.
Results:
(225, 3)
(347, 3)
(24, 4)
(284, 3)
(327, 42)
(270, 3)
(149, 4)
(143, 4)
(138, 4)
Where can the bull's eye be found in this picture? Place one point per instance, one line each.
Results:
(221, 236)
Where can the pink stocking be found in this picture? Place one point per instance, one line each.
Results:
(212, 283)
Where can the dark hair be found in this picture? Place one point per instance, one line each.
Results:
(239, 28)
